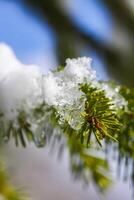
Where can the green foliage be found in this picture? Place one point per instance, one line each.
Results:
(86, 166)
(7, 191)
(83, 164)
(100, 117)
(21, 132)
(126, 136)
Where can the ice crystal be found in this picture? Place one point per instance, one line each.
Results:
(61, 89)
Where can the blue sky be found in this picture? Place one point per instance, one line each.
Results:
(92, 16)
(34, 41)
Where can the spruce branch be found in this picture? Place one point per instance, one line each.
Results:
(83, 164)
(99, 115)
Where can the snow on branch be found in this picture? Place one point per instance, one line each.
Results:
(24, 90)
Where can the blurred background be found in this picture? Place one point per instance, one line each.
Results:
(46, 32)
